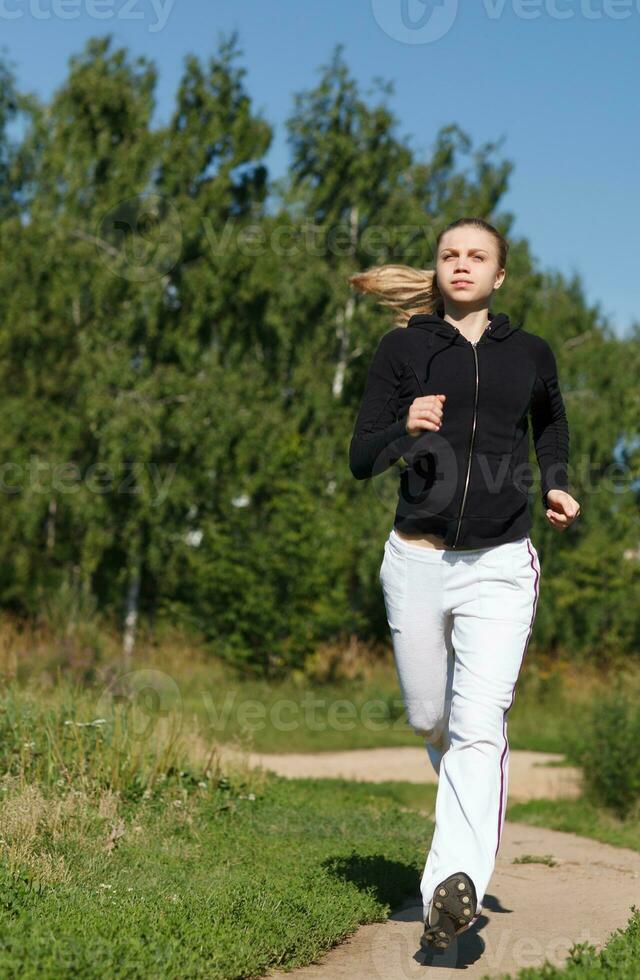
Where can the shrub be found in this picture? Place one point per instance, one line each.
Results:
(608, 749)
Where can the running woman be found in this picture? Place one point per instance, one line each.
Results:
(449, 392)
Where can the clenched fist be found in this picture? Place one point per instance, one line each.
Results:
(562, 509)
(425, 413)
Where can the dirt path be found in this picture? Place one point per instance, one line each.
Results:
(530, 776)
(532, 912)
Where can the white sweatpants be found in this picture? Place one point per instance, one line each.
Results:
(460, 624)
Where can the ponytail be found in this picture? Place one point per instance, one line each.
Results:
(403, 289)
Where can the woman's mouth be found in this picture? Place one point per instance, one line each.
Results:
(463, 282)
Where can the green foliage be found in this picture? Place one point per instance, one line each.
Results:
(608, 749)
(181, 365)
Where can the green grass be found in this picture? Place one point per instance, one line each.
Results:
(572, 816)
(226, 885)
(126, 850)
(232, 882)
(222, 886)
(361, 708)
(617, 961)
(578, 817)
(121, 855)
(358, 713)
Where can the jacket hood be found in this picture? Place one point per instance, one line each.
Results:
(499, 327)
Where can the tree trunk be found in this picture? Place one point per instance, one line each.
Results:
(131, 608)
(343, 320)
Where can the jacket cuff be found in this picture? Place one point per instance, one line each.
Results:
(555, 486)
(372, 453)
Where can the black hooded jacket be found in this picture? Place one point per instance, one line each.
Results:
(469, 483)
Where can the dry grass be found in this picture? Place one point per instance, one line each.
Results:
(73, 754)
(33, 825)
(349, 660)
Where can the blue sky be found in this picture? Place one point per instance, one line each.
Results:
(558, 79)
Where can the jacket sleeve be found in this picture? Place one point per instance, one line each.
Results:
(380, 436)
(549, 424)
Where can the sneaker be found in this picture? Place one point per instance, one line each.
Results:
(452, 909)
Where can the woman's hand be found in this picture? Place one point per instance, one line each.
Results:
(425, 413)
(562, 509)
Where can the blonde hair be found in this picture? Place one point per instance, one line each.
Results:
(409, 291)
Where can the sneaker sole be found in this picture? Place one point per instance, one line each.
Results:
(454, 906)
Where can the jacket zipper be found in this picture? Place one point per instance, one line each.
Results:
(473, 433)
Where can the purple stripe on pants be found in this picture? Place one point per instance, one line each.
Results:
(501, 811)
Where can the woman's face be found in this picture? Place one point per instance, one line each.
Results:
(467, 267)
